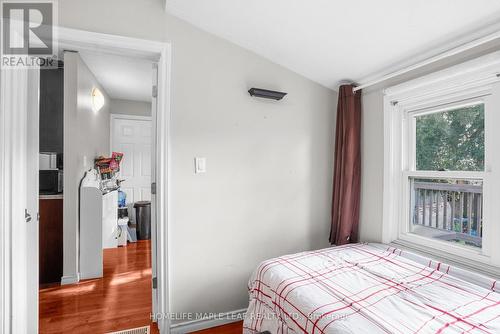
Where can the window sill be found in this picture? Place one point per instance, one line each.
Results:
(440, 235)
(468, 259)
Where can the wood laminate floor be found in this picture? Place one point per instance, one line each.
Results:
(120, 300)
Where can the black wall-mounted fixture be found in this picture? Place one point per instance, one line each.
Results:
(266, 94)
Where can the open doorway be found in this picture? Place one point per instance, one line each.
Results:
(20, 154)
(97, 257)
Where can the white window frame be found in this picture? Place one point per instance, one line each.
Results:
(473, 82)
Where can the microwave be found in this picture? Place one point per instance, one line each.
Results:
(47, 161)
(51, 181)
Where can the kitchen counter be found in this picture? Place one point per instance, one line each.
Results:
(54, 196)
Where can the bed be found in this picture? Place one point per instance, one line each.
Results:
(369, 288)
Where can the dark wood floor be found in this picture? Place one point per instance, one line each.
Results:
(120, 300)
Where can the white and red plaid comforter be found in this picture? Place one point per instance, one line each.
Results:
(369, 288)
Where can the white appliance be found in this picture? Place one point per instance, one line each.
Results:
(98, 225)
(47, 161)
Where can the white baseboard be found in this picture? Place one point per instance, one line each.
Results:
(196, 325)
(70, 280)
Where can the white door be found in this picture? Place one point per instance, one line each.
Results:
(19, 201)
(132, 136)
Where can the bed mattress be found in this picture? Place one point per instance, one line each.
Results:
(369, 288)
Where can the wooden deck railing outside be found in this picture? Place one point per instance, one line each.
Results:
(449, 207)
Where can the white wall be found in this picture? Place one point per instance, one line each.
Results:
(86, 136)
(372, 163)
(267, 190)
(128, 107)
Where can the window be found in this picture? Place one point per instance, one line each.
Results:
(442, 164)
(448, 142)
(451, 139)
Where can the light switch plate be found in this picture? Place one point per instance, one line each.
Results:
(200, 165)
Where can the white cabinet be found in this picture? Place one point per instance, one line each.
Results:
(98, 229)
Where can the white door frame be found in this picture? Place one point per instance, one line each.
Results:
(12, 209)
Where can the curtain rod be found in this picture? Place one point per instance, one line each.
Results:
(446, 54)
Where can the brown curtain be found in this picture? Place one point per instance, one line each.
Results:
(347, 169)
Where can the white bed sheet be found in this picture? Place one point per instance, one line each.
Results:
(369, 288)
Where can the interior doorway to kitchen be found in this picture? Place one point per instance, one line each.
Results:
(96, 124)
(96, 139)
(20, 135)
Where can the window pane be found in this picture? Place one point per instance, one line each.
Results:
(451, 140)
(448, 209)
